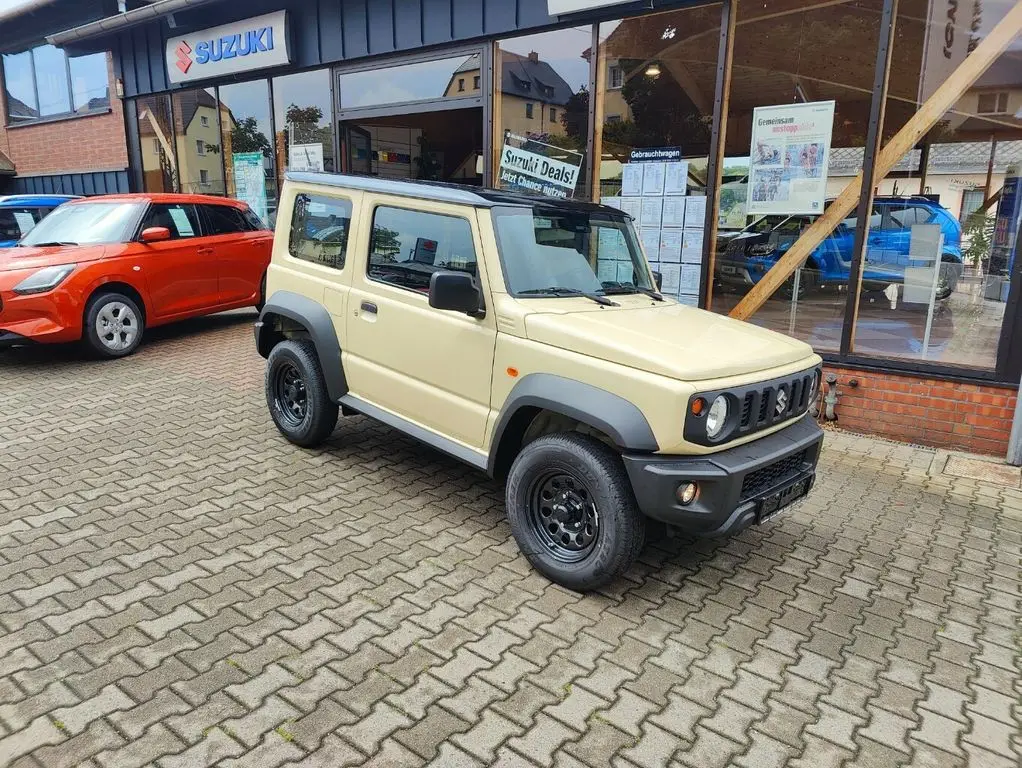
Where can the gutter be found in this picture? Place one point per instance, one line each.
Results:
(122, 21)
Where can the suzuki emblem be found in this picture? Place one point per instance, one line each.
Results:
(184, 60)
(782, 402)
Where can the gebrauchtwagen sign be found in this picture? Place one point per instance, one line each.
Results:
(241, 46)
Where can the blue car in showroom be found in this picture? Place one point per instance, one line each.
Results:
(747, 256)
(20, 213)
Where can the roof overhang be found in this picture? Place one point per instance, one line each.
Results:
(113, 24)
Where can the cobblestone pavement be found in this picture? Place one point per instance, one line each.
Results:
(181, 587)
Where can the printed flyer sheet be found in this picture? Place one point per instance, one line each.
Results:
(789, 157)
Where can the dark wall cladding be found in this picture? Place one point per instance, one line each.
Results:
(96, 183)
(329, 31)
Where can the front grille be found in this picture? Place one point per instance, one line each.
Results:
(760, 480)
(760, 405)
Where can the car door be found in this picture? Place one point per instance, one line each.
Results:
(242, 253)
(181, 272)
(426, 365)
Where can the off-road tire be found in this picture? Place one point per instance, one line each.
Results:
(621, 530)
(293, 374)
(122, 339)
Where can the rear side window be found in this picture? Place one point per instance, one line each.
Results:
(409, 246)
(181, 220)
(254, 222)
(319, 230)
(15, 223)
(224, 220)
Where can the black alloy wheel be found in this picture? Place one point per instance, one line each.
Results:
(290, 394)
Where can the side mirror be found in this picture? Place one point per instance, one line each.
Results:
(456, 292)
(658, 278)
(155, 235)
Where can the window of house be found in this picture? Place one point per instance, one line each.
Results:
(200, 147)
(181, 220)
(204, 177)
(319, 230)
(529, 111)
(617, 76)
(461, 84)
(611, 119)
(156, 146)
(972, 199)
(408, 246)
(204, 121)
(992, 104)
(44, 83)
(553, 115)
(475, 82)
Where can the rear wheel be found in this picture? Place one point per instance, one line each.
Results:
(296, 394)
(572, 511)
(113, 325)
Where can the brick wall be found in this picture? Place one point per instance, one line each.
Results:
(967, 417)
(78, 144)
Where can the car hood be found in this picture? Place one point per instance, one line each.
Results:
(36, 258)
(672, 340)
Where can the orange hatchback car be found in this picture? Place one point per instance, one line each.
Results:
(103, 269)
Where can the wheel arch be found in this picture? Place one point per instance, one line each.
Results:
(282, 311)
(116, 286)
(612, 415)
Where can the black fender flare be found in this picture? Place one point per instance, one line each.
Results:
(619, 419)
(315, 318)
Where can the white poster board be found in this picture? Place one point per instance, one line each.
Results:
(789, 156)
(306, 157)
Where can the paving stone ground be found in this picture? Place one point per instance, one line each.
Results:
(181, 587)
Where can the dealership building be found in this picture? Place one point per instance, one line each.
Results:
(842, 171)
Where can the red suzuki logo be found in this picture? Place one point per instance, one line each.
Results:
(184, 60)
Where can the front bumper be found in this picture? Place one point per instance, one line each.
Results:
(737, 487)
(9, 339)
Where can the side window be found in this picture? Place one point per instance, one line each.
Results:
(319, 230)
(181, 220)
(224, 220)
(252, 218)
(407, 247)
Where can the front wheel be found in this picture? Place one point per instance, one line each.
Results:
(113, 325)
(296, 394)
(572, 511)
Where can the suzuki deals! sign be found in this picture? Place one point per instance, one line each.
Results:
(253, 43)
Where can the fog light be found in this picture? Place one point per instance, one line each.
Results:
(687, 493)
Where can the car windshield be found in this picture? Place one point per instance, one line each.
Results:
(548, 250)
(85, 224)
(15, 223)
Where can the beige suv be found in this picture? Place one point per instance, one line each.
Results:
(526, 336)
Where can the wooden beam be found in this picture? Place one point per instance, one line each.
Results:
(715, 163)
(683, 77)
(945, 97)
(598, 94)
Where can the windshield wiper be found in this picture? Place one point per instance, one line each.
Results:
(621, 289)
(561, 291)
(51, 243)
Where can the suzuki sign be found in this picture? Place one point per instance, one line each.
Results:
(563, 7)
(254, 43)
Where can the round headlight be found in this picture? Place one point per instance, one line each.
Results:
(716, 417)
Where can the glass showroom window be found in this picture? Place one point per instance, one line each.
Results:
(936, 272)
(198, 144)
(156, 135)
(654, 112)
(801, 90)
(247, 132)
(44, 83)
(302, 114)
(543, 87)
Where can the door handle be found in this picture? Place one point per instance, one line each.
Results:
(369, 307)
(204, 251)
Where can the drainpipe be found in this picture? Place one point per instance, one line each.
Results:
(830, 399)
(1015, 441)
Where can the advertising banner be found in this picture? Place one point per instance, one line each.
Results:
(789, 156)
(527, 165)
(306, 157)
(952, 32)
(250, 181)
(241, 46)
